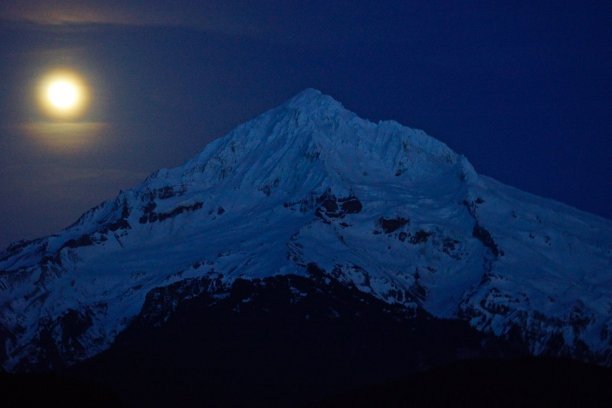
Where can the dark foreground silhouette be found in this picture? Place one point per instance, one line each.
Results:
(293, 341)
(31, 390)
(474, 383)
(490, 383)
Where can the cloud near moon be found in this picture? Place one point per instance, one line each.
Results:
(63, 137)
(212, 15)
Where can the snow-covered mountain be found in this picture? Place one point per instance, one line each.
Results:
(310, 188)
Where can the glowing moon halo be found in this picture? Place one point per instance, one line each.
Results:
(62, 95)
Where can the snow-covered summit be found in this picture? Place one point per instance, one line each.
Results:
(312, 100)
(309, 140)
(311, 186)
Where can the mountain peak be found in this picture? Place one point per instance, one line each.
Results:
(311, 105)
(312, 143)
(313, 99)
(308, 94)
(311, 189)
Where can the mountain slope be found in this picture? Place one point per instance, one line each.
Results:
(311, 186)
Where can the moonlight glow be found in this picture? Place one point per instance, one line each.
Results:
(62, 95)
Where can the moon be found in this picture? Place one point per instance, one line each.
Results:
(63, 95)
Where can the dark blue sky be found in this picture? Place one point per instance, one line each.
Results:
(523, 90)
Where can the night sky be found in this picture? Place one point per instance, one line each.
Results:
(523, 90)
